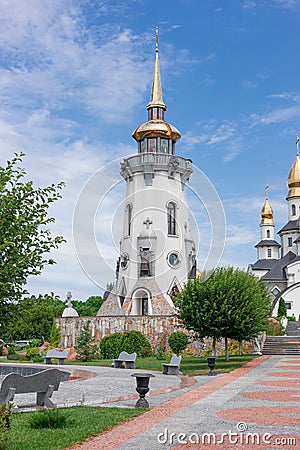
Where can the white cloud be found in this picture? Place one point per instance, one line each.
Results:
(225, 137)
(249, 4)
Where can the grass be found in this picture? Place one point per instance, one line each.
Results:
(191, 365)
(82, 422)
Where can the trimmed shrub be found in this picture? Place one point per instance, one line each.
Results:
(233, 348)
(130, 342)
(135, 341)
(111, 346)
(178, 341)
(33, 355)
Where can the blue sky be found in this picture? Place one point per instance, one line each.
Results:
(75, 77)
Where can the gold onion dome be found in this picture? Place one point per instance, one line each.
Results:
(156, 126)
(267, 212)
(294, 176)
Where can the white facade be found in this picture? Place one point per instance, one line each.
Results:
(157, 253)
(149, 227)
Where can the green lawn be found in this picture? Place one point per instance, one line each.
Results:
(82, 422)
(190, 366)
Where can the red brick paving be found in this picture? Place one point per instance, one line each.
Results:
(126, 431)
(291, 367)
(275, 395)
(279, 415)
(285, 374)
(281, 383)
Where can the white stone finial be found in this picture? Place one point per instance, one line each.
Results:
(69, 299)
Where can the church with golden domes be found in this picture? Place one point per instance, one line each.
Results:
(279, 264)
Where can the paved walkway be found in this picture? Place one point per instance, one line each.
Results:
(253, 407)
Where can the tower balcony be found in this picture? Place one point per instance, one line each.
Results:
(149, 163)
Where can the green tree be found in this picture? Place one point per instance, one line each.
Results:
(178, 341)
(282, 312)
(55, 335)
(85, 347)
(32, 317)
(198, 309)
(88, 308)
(25, 239)
(230, 304)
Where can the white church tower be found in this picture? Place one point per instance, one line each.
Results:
(157, 252)
(267, 248)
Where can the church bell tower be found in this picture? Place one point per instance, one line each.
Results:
(157, 252)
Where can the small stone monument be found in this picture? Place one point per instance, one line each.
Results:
(69, 311)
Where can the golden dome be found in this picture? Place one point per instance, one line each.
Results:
(154, 128)
(156, 125)
(294, 179)
(267, 214)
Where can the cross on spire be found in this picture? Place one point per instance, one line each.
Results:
(297, 141)
(267, 191)
(69, 299)
(147, 222)
(156, 40)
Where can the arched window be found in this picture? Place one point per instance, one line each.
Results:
(171, 213)
(129, 218)
(293, 210)
(268, 233)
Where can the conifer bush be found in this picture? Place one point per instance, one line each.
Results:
(86, 348)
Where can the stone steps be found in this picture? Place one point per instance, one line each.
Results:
(282, 345)
(293, 328)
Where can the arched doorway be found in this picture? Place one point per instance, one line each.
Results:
(141, 303)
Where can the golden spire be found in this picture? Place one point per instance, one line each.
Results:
(267, 212)
(156, 99)
(294, 175)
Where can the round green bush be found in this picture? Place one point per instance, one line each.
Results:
(178, 341)
(135, 341)
(130, 342)
(111, 346)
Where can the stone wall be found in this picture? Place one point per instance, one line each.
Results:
(155, 328)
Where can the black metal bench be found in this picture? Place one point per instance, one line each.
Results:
(43, 383)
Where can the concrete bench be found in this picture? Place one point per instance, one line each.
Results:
(54, 354)
(173, 367)
(125, 360)
(43, 383)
